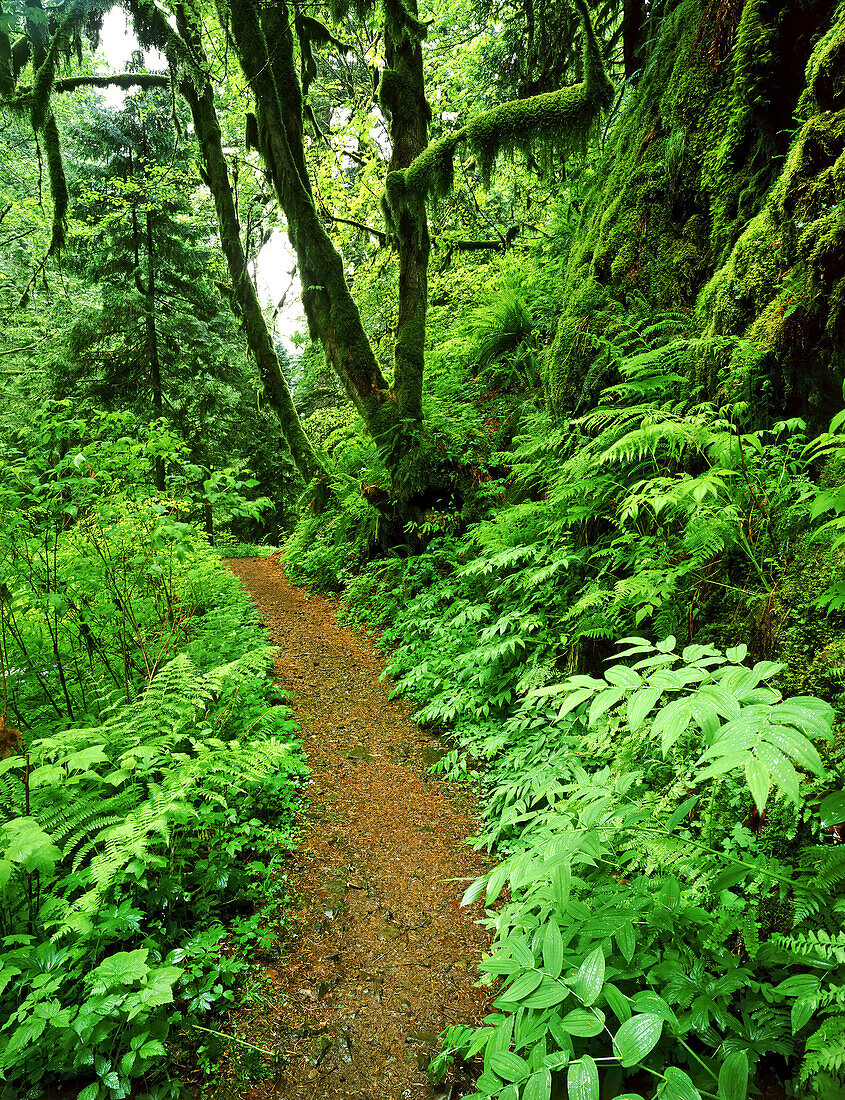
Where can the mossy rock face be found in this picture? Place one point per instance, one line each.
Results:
(783, 285)
(809, 642)
(701, 202)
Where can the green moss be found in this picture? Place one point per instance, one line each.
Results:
(739, 173)
(810, 643)
(695, 202)
(825, 89)
(782, 287)
(58, 183)
(552, 125)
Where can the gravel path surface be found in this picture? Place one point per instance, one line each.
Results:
(381, 957)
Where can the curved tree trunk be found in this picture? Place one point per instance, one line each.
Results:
(403, 98)
(332, 315)
(207, 126)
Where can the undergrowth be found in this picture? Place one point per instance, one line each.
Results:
(667, 906)
(147, 798)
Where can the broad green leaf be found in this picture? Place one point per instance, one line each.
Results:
(641, 705)
(560, 1035)
(799, 985)
(550, 992)
(733, 1076)
(832, 809)
(617, 1002)
(730, 877)
(489, 1083)
(814, 716)
(26, 843)
(157, 988)
(626, 938)
(723, 765)
(524, 984)
(561, 884)
(511, 1092)
(604, 702)
(582, 1079)
(497, 880)
(783, 773)
(759, 782)
(502, 1036)
(672, 722)
(501, 964)
(797, 747)
(538, 1086)
(624, 677)
(520, 950)
(670, 894)
(681, 812)
(478, 1042)
(590, 977)
(474, 891)
(677, 1086)
(583, 1022)
(802, 1012)
(509, 1066)
(82, 760)
(574, 700)
(646, 1001)
(737, 654)
(552, 949)
(637, 1037)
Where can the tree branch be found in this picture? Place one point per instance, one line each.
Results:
(118, 80)
(380, 236)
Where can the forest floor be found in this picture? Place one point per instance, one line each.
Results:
(377, 957)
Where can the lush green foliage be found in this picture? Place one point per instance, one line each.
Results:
(151, 783)
(638, 810)
(676, 491)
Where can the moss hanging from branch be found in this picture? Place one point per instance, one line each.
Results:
(311, 32)
(7, 78)
(58, 183)
(553, 123)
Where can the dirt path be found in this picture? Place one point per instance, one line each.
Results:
(381, 958)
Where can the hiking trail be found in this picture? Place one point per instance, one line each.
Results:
(378, 957)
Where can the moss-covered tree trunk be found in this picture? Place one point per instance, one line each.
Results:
(148, 289)
(207, 126)
(720, 193)
(403, 98)
(332, 315)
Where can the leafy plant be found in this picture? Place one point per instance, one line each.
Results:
(621, 944)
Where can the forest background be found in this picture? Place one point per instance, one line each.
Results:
(571, 376)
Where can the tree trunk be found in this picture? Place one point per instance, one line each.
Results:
(152, 343)
(633, 19)
(332, 315)
(259, 340)
(403, 98)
